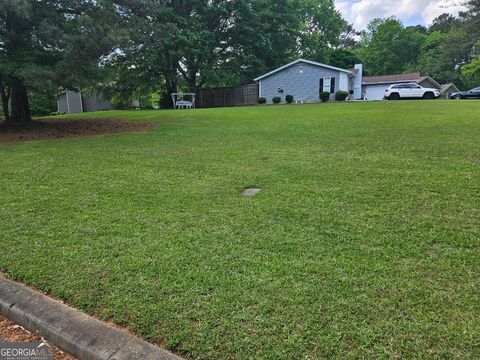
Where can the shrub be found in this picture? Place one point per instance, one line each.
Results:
(262, 100)
(341, 95)
(324, 96)
(277, 99)
(289, 99)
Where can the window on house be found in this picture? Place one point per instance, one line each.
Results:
(327, 84)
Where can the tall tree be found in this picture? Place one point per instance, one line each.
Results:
(319, 30)
(471, 68)
(46, 40)
(387, 47)
(444, 23)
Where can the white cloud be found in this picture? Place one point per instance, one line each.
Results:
(360, 12)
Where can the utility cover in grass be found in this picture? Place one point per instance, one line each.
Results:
(251, 192)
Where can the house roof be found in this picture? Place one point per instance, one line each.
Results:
(423, 78)
(414, 77)
(445, 87)
(304, 61)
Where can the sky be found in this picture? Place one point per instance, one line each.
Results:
(411, 12)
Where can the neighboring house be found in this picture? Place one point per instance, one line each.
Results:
(73, 102)
(373, 87)
(305, 80)
(448, 89)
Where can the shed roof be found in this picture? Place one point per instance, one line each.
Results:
(304, 61)
(423, 78)
(446, 87)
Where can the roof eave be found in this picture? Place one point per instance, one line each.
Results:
(298, 61)
(390, 82)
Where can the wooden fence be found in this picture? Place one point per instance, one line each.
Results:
(222, 97)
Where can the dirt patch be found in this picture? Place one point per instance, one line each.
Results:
(60, 128)
(11, 332)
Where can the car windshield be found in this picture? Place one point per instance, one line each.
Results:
(476, 89)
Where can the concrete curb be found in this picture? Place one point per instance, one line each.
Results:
(73, 331)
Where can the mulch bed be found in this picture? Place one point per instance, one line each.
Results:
(11, 332)
(60, 128)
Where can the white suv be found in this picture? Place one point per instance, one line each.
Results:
(410, 91)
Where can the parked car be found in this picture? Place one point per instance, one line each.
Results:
(470, 94)
(410, 91)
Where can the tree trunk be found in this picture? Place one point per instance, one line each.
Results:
(5, 94)
(170, 84)
(20, 105)
(192, 80)
(170, 87)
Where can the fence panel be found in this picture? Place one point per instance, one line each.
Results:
(223, 97)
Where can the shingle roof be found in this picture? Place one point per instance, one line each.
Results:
(391, 78)
(445, 87)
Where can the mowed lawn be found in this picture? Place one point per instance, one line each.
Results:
(364, 242)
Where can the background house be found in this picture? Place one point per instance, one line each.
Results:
(373, 87)
(448, 89)
(305, 80)
(73, 102)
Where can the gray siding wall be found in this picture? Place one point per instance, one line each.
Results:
(74, 102)
(303, 86)
(95, 103)
(70, 102)
(62, 107)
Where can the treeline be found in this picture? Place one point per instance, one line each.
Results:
(149, 48)
(448, 50)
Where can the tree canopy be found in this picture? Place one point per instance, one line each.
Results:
(45, 42)
(193, 44)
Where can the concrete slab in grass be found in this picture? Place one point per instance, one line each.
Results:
(251, 192)
(73, 331)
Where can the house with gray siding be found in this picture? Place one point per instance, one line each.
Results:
(305, 80)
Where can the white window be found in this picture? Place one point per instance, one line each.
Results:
(327, 84)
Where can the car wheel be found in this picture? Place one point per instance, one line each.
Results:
(458, 97)
(394, 96)
(428, 96)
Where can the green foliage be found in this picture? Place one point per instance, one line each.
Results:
(387, 47)
(277, 100)
(441, 51)
(444, 23)
(343, 58)
(204, 44)
(47, 44)
(324, 96)
(471, 73)
(262, 100)
(341, 95)
(289, 99)
(43, 102)
(442, 54)
(319, 28)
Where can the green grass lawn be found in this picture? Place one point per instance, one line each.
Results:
(365, 241)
